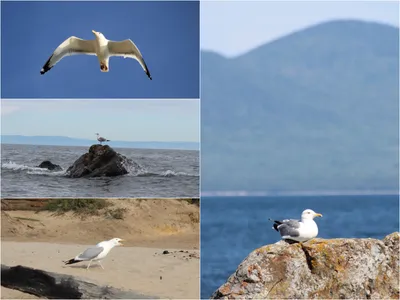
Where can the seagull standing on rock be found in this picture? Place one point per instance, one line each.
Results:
(101, 139)
(101, 47)
(299, 231)
(96, 253)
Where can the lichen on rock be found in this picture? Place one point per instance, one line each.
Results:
(319, 268)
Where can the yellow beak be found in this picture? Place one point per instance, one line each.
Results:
(94, 31)
(317, 215)
(120, 242)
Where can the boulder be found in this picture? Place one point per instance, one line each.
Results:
(50, 166)
(101, 160)
(319, 268)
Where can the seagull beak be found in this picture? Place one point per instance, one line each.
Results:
(120, 242)
(317, 215)
(95, 32)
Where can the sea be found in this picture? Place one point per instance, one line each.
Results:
(163, 173)
(232, 227)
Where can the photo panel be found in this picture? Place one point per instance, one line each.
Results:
(75, 49)
(107, 148)
(100, 248)
(299, 149)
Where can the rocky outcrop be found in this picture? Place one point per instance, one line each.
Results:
(50, 166)
(101, 160)
(324, 269)
(59, 286)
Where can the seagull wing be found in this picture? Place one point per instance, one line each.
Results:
(127, 48)
(287, 228)
(71, 46)
(90, 253)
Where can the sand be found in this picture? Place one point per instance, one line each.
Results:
(42, 240)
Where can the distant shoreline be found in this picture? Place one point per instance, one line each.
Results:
(115, 145)
(298, 193)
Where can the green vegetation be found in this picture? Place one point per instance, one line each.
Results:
(85, 208)
(194, 201)
(78, 206)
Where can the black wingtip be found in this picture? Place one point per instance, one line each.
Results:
(71, 261)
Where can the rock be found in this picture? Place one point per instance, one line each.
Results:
(101, 160)
(319, 268)
(50, 166)
(59, 286)
(165, 252)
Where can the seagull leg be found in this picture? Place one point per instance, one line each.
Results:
(88, 265)
(101, 264)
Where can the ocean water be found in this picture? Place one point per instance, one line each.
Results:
(232, 227)
(163, 173)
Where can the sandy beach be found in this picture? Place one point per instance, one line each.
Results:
(43, 240)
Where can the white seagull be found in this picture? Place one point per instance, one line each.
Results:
(96, 253)
(299, 231)
(101, 139)
(100, 46)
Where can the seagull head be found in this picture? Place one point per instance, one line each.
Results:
(98, 34)
(117, 242)
(309, 214)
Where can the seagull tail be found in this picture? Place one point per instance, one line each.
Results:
(71, 261)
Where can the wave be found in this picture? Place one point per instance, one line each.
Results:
(31, 170)
(133, 168)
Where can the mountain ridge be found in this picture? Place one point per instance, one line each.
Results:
(319, 112)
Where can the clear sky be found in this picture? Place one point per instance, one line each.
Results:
(235, 27)
(166, 33)
(118, 120)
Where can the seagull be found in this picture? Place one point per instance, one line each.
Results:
(96, 253)
(101, 139)
(299, 231)
(100, 46)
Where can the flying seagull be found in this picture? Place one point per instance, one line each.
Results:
(299, 231)
(100, 46)
(96, 253)
(101, 139)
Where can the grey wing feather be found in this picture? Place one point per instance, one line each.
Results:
(289, 228)
(127, 48)
(90, 253)
(292, 223)
(70, 46)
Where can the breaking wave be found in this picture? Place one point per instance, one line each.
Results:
(12, 166)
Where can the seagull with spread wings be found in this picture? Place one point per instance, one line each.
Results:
(101, 47)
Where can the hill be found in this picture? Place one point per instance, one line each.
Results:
(315, 110)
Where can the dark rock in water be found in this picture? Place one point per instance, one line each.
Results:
(50, 166)
(318, 269)
(101, 160)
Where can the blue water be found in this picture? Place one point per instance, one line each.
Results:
(232, 227)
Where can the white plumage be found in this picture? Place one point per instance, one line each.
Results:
(100, 46)
(296, 230)
(96, 253)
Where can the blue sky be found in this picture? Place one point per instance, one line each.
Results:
(235, 27)
(166, 33)
(118, 120)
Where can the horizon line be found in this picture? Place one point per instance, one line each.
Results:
(300, 193)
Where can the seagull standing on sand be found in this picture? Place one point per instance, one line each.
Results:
(101, 47)
(101, 139)
(96, 253)
(299, 231)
